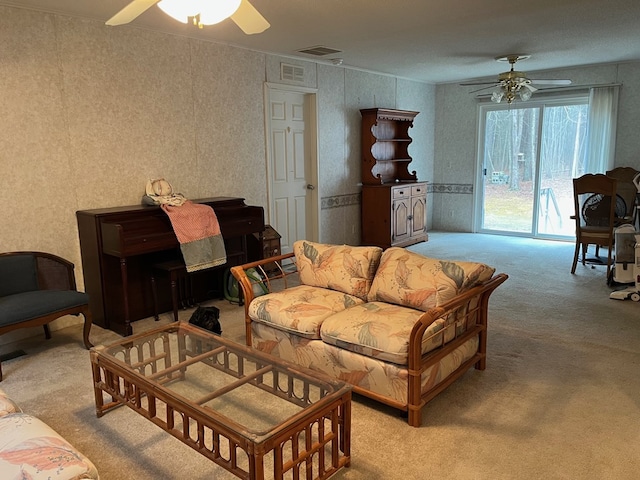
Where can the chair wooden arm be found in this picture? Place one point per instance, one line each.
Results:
(466, 314)
(470, 308)
(276, 273)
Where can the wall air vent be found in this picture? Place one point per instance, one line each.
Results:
(292, 73)
(319, 51)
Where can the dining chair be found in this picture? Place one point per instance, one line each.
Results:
(595, 215)
(626, 190)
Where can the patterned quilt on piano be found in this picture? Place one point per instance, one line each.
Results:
(198, 232)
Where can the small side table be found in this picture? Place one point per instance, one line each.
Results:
(181, 286)
(266, 244)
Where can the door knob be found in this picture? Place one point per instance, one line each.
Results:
(310, 187)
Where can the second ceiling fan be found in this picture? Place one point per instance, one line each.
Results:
(513, 84)
(201, 12)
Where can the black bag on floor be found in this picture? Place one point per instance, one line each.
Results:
(207, 318)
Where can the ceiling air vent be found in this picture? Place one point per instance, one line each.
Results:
(292, 73)
(319, 51)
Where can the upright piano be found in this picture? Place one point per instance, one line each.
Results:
(120, 245)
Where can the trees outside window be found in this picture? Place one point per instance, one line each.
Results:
(528, 153)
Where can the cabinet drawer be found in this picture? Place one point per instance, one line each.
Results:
(401, 192)
(420, 189)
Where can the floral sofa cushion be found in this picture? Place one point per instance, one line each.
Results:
(29, 448)
(382, 378)
(300, 309)
(7, 405)
(342, 268)
(415, 281)
(379, 330)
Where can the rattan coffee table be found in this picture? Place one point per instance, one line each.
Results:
(249, 412)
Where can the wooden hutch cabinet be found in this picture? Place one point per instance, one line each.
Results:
(394, 202)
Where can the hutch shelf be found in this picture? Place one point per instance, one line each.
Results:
(394, 202)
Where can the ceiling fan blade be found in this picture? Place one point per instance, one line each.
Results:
(477, 83)
(131, 12)
(485, 88)
(551, 82)
(249, 19)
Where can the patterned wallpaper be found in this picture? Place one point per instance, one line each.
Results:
(90, 113)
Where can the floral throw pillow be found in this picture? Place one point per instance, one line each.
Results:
(413, 280)
(342, 268)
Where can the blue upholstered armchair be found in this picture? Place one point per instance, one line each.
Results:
(35, 289)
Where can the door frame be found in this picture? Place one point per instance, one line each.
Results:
(482, 178)
(542, 104)
(311, 143)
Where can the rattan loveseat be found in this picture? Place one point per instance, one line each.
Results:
(400, 327)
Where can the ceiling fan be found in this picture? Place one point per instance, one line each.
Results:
(200, 12)
(513, 83)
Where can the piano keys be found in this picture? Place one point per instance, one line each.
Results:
(119, 245)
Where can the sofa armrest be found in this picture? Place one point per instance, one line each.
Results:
(272, 274)
(465, 317)
(466, 314)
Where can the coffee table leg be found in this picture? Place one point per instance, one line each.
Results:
(256, 467)
(97, 391)
(345, 428)
(98, 380)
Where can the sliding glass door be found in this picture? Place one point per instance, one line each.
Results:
(528, 153)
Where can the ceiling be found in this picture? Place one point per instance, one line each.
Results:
(434, 41)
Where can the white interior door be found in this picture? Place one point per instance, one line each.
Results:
(293, 193)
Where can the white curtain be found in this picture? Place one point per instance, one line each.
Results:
(601, 130)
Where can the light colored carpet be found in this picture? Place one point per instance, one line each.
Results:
(560, 398)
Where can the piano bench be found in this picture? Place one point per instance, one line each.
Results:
(181, 286)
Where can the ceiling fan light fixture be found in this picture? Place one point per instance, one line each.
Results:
(207, 12)
(179, 10)
(496, 96)
(214, 12)
(513, 85)
(525, 94)
(506, 90)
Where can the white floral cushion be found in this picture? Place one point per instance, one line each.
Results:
(385, 379)
(379, 330)
(342, 268)
(30, 449)
(300, 309)
(415, 281)
(7, 405)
